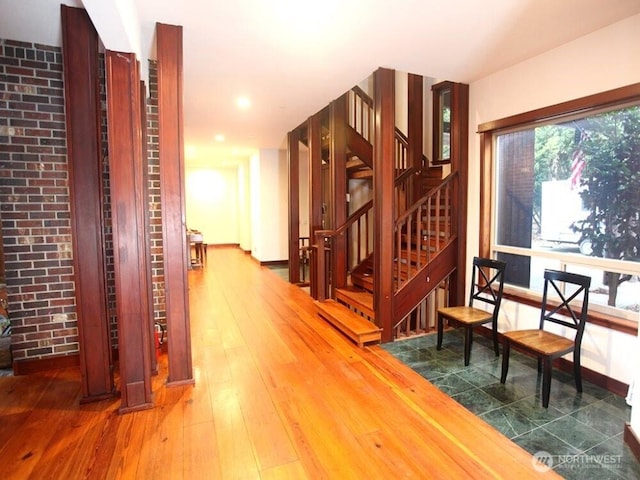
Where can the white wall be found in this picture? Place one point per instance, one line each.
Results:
(269, 206)
(212, 203)
(603, 60)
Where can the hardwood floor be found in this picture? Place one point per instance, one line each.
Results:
(278, 394)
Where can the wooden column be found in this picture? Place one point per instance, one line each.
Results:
(415, 129)
(84, 147)
(338, 165)
(315, 191)
(147, 224)
(383, 186)
(129, 205)
(293, 159)
(170, 140)
(460, 163)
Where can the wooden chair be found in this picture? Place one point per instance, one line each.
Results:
(547, 346)
(487, 282)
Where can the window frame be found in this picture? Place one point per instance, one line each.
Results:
(487, 131)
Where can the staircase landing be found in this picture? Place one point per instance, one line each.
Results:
(354, 326)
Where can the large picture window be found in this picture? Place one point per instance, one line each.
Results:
(565, 194)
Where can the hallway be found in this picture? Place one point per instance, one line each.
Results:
(278, 394)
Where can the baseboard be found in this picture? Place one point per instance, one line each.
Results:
(275, 263)
(632, 440)
(36, 365)
(602, 381)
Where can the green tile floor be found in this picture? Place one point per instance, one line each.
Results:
(580, 435)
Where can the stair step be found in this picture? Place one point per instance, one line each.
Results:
(354, 326)
(358, 299)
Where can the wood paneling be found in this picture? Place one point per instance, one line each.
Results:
(84, 149)
(129, 206)
(383, 188)
(170, 139)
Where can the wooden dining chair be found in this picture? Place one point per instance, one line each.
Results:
(571, 312)
(487, 282)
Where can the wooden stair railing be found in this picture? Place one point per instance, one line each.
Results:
(358, 227)
(423, 231)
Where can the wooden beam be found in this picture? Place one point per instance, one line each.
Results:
(315, 192)
(84, 149)
(293, 159)
(383, 193)
(460, 163)
(415, 130)
(170, 139)
(338, 162)
(126, 175)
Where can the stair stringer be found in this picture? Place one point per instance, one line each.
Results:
(425, 281)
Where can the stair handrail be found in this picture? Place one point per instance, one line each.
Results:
(320, 247)
(360, 112)
(418, 249)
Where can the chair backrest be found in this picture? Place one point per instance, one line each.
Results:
(572, 309)
(487, 282)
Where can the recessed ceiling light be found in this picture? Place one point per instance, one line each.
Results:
(243, 103)
(219, 137)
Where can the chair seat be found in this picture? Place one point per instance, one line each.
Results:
(466, 315)
(541, 341)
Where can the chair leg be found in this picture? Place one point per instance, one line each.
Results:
(496, 347)
(577, 371)
(468, 340)
(546, 382)
(506, 348)
(440, 329)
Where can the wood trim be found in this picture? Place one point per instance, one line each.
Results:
(383, 195)
(84, 150)
(486, 171)
(170, 140)
(632, 440)
(126, 175)
(609, 98)
(35, 365)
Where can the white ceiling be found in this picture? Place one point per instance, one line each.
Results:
(292, 57)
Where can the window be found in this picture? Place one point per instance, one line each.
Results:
(565, 194)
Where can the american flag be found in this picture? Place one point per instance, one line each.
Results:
(578, 162)
(577, 165)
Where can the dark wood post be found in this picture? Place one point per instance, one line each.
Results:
(84, 149)
(315, 199)
(383, 188)
(170, 139)
(415, 130)
(293, 158)
(460, 164)
(338, 165)
(129, 204)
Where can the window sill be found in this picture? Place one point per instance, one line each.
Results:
(628, 327)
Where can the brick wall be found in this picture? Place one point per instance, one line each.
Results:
(35, 208)
(155, 220)
(34, 199)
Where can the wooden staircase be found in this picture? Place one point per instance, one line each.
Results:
(425, 239)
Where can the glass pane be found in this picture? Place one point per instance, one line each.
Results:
(445, 125)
